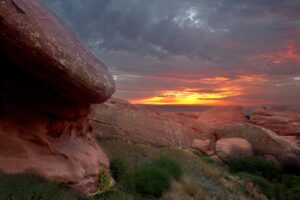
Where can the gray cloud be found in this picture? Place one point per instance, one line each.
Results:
(187, 39)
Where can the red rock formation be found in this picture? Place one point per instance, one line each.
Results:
(284, 121)
(119, 119)
(48, 80)
(263, 142)
(221, 116)
(32, 37)
(206, 121)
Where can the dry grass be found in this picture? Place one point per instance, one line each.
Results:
(185, 190)
(202, 180)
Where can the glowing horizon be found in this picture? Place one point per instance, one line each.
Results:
(202, 96)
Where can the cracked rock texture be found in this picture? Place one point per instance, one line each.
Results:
(48, 80)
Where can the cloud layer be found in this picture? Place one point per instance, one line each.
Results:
(216, 52)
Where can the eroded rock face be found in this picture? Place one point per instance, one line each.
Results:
(48, 80)
(63, 150)
(284, 121)
(263, 142)
(119, 119)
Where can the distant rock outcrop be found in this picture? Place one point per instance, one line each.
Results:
(221, 116)
(119, 119)
(207, 121)
(264, 142)
(284, 121)
(48, 80)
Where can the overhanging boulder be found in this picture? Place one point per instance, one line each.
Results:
(48, 80)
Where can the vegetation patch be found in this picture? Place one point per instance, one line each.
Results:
(30, 187)
(256, 166)
(190, 176)
(170, 166)
(148, 173)
(151, 181)
(118, 169)
(269, 177)
(103, 182)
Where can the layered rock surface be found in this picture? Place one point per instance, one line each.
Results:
(117, 118)
(284, 121)
(48, 80)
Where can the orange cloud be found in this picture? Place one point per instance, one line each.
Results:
(224, 89)
(289, 53)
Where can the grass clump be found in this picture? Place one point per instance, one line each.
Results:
(30, 187)
(118, 169)
(170, 166)
(103, 182)
(151, 181)
(256, 166)
(154, 178)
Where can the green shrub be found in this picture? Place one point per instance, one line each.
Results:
(118, 169)
(266, 187)
(294, 193)
(291, 181)
(103, 182)
(256, 166)
(170, 166)
(151, 181)
(292, 184)
(29, 187)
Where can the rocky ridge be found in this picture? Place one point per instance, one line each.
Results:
(220, 133)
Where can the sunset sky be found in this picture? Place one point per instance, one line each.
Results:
(207, 52)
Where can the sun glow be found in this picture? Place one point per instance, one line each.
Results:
(188, 96)
(215, 91)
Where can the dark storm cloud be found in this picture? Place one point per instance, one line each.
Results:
(187, 39)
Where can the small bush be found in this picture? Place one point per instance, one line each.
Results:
(256, 166)
(103, 182)
(29, 187)
(118, 169)
(170, 166)
(151, 181)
